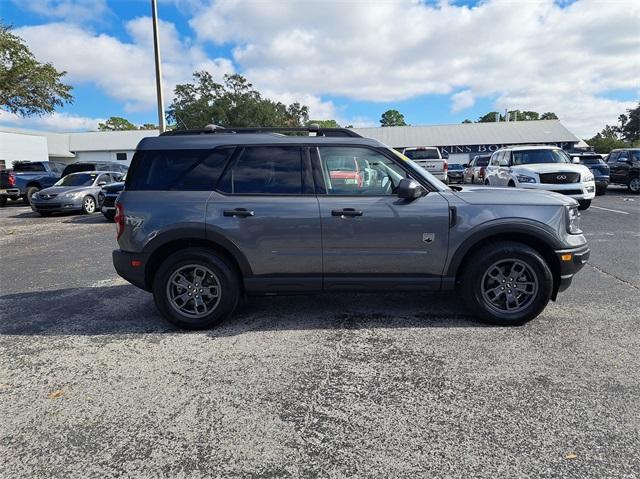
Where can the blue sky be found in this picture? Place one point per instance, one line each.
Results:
(436, 62)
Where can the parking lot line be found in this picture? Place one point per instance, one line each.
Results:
(614, 211)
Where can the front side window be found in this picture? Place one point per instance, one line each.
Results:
(265, 170)
(358, 171)
(635, 154)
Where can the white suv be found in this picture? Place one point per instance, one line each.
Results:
(543, 168)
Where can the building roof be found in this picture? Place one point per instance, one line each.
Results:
(495, 133)
(57, 143)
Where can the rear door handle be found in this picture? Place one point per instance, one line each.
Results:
(239, 212)
(346, 212)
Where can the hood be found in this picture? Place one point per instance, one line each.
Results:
(58, 190)
(481, 195)
(552, 168)
(114, 187)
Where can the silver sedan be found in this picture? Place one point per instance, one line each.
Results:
(74, 192)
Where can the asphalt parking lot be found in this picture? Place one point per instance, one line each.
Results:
(94, 383)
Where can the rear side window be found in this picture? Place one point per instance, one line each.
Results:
(425, 154)
(28, 167)
(266, 170)
(183, 170)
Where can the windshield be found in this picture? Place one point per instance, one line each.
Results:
(430, 154)
(482, 161)
(77, 179)
(416, 170)
(590, 160)
(455, 166)
(531, 157)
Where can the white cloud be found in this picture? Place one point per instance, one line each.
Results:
(540, 55)
(123, 70)
(62, 122)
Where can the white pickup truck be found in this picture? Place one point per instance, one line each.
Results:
(430, 159)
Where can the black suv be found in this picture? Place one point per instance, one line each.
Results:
(624, 168)
(207, 216)
(99, 166)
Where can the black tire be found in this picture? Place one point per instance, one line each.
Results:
(30, 191)
(44, 213)
(634, 185)
(601, 191)
(584, 204)
(89, 205)
(487, 183)
(109, 216)
(511, 184)
(477, 271)
(225, 275)
(3, 201)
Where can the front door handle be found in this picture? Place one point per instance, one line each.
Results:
(346, 212)
(239, 212)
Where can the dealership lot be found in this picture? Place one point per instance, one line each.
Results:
(400, 385)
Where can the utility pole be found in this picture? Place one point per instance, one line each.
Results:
(156, 50)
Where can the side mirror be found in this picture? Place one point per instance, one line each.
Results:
(410, 189)
(102, 183)
(575, 160)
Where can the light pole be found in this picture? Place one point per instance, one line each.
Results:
(156, 50)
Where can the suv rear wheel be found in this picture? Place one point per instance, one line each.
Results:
(508, 284)
(584, 204)
(196, 289)
(634, 185)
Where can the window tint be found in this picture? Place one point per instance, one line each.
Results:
(623, 155)
(422, 154)
(121, 156)
(19, 166)
(270, 170)
(532, 157)
(613, 156)
(359, 171)
(177, 169)
(481, 162)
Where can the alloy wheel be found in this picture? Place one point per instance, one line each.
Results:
(193, 291)
(509, 286)
(634, 185)
(89, 204)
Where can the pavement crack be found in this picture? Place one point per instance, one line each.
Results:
(606, 273)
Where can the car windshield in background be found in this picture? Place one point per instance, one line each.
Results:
(532, 157)
(482, 161)
(635, 154)
(455, 166)
(431, 154)
(21, 167)
(590, 160)
(77, 179)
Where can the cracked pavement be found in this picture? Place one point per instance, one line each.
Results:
(348, 385)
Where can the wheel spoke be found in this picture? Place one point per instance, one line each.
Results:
(188, 299)
(509, 285)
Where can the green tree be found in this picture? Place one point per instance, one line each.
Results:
(116, 123)
(324, 123)
(630, 126)
(148, 126)
(490, 117)
(607, 140)
(28, 87)
(466, 120)
(549, 115)
(231, 103)
(392, 118)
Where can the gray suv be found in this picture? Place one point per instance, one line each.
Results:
(207, 216)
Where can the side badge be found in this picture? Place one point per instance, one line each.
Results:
(428, 237)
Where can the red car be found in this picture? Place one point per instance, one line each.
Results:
(345, 171)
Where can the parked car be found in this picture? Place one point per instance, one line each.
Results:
(542, 168)
(210, 215)
(74, 192)
(624, 166)
(25, 178)
(99, 166)
(107, 198)
(429, 158)
(598, 167)
(475, 170)
(455, 173)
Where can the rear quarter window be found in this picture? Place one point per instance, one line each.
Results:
(182, 170)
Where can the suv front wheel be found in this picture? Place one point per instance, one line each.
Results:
(196, 289)
(507, 284)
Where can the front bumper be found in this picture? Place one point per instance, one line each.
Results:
(455, 178)
(124, 261)
(56, 205)
(578, 191)
(571, 261)
(10, 192)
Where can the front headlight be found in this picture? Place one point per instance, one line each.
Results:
(526, 179)
(588, 177)
(72, 195)
(573, 220)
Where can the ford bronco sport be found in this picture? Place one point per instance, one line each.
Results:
(207, 216)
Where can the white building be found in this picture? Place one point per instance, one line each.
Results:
(460, 141)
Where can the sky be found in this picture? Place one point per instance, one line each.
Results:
(436, 62)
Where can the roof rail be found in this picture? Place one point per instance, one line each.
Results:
(312, 128)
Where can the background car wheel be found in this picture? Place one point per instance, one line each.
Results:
(44, 213)
(634, 185)
(30, 191)
(486, 183)
(196, 289)
(512, 184)
(584, 204)
(601, 191)
(109, 216)
(3, 201)
(507, 284)
(88, 205)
